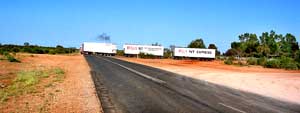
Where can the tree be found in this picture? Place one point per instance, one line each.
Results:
(198, 43)
(263, 50)
(26, 44)
(248, 43)
(238, 48)
(59, 49)
(156, 44)
(172, 47)
(235, 45)
(231, 52)
(59, 46)
(167, 53)
(291, 42)
(213, 46)
(297, 56)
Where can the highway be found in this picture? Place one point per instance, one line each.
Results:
(125, 87)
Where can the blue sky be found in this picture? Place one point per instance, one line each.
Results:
(178, 22)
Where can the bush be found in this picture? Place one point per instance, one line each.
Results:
(11, 58)
(15, 49)
(1, 52)
(5, 53)
(228, 61)
(120, 52)
(272, 63)
(143, 55)
(291, 66)
(240, 63)
(262, 61)
(288, 63)
(252, 61)
(51, 51)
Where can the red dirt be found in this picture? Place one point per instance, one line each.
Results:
(76, 93)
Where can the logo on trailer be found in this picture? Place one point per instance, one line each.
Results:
(131, 48)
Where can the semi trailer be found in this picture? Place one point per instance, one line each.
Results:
(106, 49)
(194, 53)
(135, 49)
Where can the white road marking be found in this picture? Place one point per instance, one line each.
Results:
(232, 108)
(137, 72)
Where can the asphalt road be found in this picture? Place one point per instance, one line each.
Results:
(133, 88)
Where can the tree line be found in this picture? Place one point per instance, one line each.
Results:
(27, 48)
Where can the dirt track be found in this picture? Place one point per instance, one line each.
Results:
(277, 83)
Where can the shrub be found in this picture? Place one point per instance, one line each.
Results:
(120, 52)
(252, 61)
(143, 55)
(37, 50)
(11, 58)
(228, 61)
(240, 63)
(291, 66)
(1, 52)
(288, 63)
(262, 61)
(51, 51)
(272, 63)
(15, 49)
(5, 53)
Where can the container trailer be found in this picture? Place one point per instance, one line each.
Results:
(133, 49)
(194, 53)
(107, 49)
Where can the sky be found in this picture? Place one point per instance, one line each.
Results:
(167, 22)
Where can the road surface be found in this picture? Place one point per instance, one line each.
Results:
(134, 88)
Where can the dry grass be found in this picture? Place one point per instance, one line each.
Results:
(27, 80)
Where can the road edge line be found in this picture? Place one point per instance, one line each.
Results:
(233, 108)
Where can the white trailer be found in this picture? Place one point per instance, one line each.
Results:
(195, 53)
(98, 48)
(133, 49)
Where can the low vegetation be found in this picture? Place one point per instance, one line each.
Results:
(144, 55)
(229, 61)
(120, 52)
(27, 48)
(27, 81)
(9, 57)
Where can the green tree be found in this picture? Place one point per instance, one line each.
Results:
(269, 39)
(198, 43)
(248, 43)
(213, 46)
(167, 53)
(26, 44)
(237, 48)
(59, 49)
(231, 52)
(263, 50)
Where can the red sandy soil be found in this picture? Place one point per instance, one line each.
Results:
(277, 83)
(76, 93)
